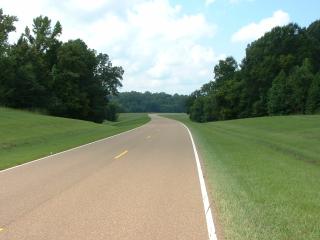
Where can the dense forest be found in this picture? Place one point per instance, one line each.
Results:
(150, 102)
(279, 75)
(39, 72)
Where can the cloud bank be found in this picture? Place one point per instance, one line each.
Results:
(254, 30)
(160, 47)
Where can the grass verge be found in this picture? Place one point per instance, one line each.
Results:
(26, 136)
(263, 175)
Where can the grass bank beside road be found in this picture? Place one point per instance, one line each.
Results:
(26, 136)
(263, 174)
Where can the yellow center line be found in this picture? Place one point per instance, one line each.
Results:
(1, 229)
(121, 154)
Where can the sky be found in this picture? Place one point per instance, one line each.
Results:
(165, 45)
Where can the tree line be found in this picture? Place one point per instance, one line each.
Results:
(279, 75)
(149, 102)
(68, 79)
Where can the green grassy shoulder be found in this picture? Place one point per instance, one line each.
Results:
(26, 136)
(263, 174)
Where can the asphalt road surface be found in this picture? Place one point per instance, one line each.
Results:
(142, 184)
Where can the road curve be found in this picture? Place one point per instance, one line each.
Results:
(139, 185)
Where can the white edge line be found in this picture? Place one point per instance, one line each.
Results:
(69, 150)
(206, 205)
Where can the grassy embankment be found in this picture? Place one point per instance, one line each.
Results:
(263, 174)
(26, 136)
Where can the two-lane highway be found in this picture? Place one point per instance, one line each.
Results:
(142, 184)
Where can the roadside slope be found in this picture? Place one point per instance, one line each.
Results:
(264, 174)
(26, 136)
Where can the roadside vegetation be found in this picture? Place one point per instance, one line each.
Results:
(26, 136)
(66, 79)
(263, 175)
(280, 75)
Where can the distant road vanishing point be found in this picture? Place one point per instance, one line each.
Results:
(142, 184)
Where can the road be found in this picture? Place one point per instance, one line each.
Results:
(142, 184)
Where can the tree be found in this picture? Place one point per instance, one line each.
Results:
(6, 62)
(109, 76)
(72, 75)
(112, 112)
(106, 81)
(191, 99)
(313, 34)
(197, 110)
(281, 49)
(44, 36)
(313, 100)
(299, 81)
(217, 98)
(33, 57)
(23, 89)
(210, 109)
(6, 26)
(279, 96)
(225, 70)
(83, 81)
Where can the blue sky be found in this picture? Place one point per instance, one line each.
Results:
(165, 45)
(230, 16)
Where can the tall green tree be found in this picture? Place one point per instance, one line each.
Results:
(197, 110)
(225, 70)
(106, 82)
(33, 57)
(278, 50)
(299, 81)
(24, 88)
(6, 26)
(72, 75)
(313, 34)
(313, 100)
(279, 96)
(44, 43)
(6, 63)
(83, 81)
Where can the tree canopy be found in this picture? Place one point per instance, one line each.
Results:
(39, 72)
(279, 75)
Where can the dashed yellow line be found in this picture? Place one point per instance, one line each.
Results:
(1, 229)
(121, 154)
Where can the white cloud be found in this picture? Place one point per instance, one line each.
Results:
(254, 31)
(208, 2)
(158, 45)
(85, 5)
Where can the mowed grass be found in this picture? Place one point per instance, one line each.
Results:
(26, 136)
(263, 175)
